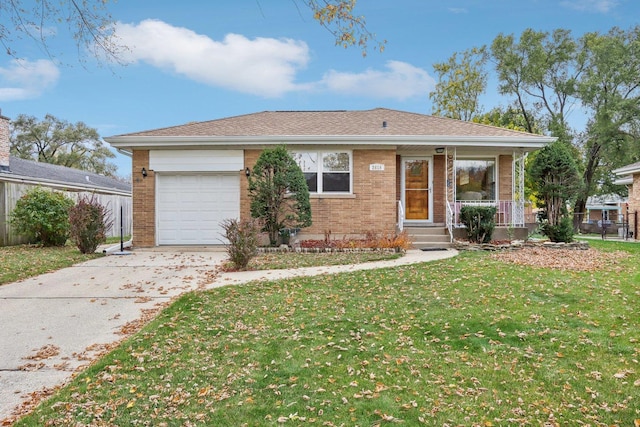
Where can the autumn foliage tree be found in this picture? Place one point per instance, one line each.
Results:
(279, 193)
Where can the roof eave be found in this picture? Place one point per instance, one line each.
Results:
(129, 142)
(9, 177)
(627, 170)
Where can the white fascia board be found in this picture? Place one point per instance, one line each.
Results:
(128, 142)
(625, 180)
(628, 170)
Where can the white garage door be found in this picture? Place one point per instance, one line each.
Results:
(191, 207)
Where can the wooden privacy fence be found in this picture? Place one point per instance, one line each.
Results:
(10, 193)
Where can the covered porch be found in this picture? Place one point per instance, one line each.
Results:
(462, 176)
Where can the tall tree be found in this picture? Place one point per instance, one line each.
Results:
(540, 70)
(461, 81)
(610, 90)
(508, 118)
(61, 143)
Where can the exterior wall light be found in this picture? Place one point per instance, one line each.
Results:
(247, 172)
(144, 173)
(440, 150)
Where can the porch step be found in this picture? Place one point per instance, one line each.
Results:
(429, 237)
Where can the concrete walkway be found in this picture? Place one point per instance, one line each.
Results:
(58, 323)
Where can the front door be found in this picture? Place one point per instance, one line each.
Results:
(416, 180)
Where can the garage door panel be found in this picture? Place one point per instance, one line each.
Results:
(191, 208)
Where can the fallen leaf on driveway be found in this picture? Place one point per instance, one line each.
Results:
(44, 352)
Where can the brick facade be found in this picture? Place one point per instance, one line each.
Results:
(439, 189)
(144, 201)
(505, 177)
(634, 206)
(4, 144)
(369, 208)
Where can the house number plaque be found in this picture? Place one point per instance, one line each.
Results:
(376, 167)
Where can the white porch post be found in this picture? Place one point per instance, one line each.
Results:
(450, 179)
(518, 189)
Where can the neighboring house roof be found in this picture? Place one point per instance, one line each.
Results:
(46, 173)
(605, 202)
(379, 125)
(628, 169)
(625, 174)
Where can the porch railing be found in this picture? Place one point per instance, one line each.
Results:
(509, 213)
(450, 221)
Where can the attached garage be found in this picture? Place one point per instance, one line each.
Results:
(191, 208)
(195, 191)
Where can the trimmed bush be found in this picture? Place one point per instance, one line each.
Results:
(43, 216)
(243, 237)
(90, 222)
(563, 232)
(480, 222)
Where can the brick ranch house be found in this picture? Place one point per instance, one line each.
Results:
(377, 170)
(629, 175)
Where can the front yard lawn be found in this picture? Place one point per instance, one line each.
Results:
(283, 260)
(468, 341)
(23, 261)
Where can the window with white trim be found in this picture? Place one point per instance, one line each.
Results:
(326, 171)
(475, 179)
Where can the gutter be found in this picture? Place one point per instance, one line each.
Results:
(62, 185)
(128, 142)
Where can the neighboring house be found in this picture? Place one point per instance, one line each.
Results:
(606, 207)
(630, 176)
(17, 176)
(378, 170)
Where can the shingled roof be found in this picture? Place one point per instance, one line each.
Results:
(29, 170)
(376, 122)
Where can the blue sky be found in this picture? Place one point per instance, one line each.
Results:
(202, 60)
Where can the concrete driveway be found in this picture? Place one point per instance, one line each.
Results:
(53, 324)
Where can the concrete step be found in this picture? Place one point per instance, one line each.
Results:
(429, 237)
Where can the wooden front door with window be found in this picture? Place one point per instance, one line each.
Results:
(417, 192)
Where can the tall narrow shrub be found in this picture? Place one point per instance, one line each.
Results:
(43, 216)
(279, 193)
(556, 180)
(90, 222)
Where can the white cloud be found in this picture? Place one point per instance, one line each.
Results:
(602, 6)
(23, 79)
(262, 66)
(400, 81)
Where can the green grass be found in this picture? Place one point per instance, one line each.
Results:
(461, 342)
(114, 240)
(23, 261)
(283, 260)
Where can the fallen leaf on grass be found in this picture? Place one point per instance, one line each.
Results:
(562, 259)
